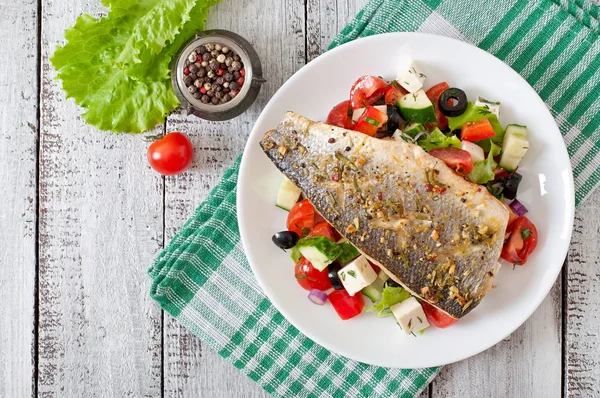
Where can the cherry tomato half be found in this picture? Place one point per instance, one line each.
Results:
(341, 115)
(457, 159)
(393, 93)
(366, 90)
(436, 317)
(171, 154)
(434, 95)
(324, 229)
(345, 305)
(522, 238)
(301, 218)
(370, 121)
(311, 278)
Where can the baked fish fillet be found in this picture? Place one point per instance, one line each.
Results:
(432, 231)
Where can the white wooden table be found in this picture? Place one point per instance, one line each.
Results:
(82, 217)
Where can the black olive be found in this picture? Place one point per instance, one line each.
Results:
(380, 101)
(285, 239)
(334, 278)
(392, 283)
(394, 119)
(511, 185)
(456, 107)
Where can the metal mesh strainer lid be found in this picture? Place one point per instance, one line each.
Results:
(248, 91)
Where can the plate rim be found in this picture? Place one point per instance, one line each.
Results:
(244, 167)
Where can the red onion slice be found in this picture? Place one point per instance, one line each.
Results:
(317, 297)
(518, 208)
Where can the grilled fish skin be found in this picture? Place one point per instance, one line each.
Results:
(432, 231)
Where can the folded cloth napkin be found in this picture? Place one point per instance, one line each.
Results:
(203, 278)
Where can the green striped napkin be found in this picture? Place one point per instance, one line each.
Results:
(203, 278)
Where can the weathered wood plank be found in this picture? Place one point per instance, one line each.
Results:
(582, 292)
(276, 29)
(526, 364)
(18, 165)
(100, 228)
(325, 19)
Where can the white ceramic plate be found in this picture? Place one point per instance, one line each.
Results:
(546, 190)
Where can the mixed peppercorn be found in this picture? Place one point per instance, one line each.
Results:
(214, 74)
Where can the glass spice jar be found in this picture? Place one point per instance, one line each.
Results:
(248, 91)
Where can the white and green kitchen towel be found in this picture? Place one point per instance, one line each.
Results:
(203, 279)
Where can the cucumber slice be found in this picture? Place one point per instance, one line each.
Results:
(383, 275)
(474, 114)
(288, 195)
(413, 129)
(516, 130)
(417, 108)
(319, 251)
(514, 146)
(374, 290)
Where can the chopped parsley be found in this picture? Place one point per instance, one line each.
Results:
(414, 95)
(350, 111)
(409, 323)
(420, 320)
(484, 110)
(352, 273)
(371, 121)
(343, 275)
(422, 75)
(526, 233)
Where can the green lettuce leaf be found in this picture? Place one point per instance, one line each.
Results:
(118, 67)
(390, 296)
(483, 171)
(159, 25)
(438, 139)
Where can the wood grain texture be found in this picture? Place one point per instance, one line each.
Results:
(276, 30)
(526, 364)
(18, 165)
(582, 312)
(325, 19)
(100, 228)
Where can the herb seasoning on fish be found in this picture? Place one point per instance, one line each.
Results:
(423, 233)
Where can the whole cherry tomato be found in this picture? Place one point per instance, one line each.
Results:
(171, 154)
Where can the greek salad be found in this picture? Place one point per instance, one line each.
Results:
(465, 134)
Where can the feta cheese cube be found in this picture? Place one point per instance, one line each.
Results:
(359, 112)
(357, 275)
(410, 76)
(493, 107)
(410, 315)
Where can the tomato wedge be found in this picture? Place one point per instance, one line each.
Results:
(374, 267)
(301, 218)
(324, 229)
(366, 90)
(311, 278)
(345, 305)
(341, 115)
(393, 93)
(370, 121)
(434, 95)
(457, 159)
(476, 131)
(437, 318)
(521, 240)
